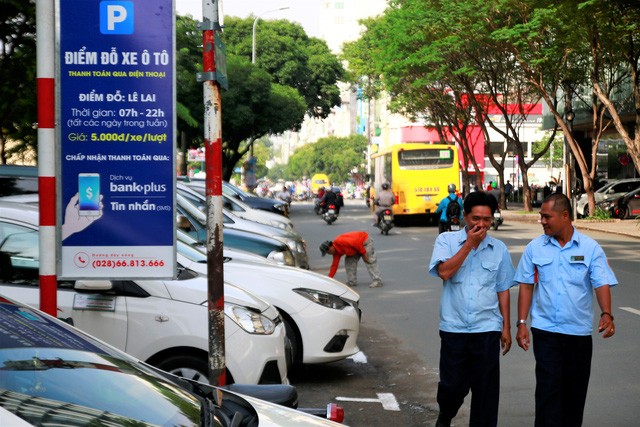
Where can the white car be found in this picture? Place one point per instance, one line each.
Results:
(321, 315)
(238, 208)
(612, 190)
(162, 322)
(198, 221)
(54, 374)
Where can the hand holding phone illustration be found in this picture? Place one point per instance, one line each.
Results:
(74, 221)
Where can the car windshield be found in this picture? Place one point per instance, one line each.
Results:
(49, 373)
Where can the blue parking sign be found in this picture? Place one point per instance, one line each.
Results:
(116, 17)
(117, 150)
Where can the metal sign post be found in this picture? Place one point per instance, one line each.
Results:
(213, 164)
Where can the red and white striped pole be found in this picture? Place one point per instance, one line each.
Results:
(45, 52)
(213, 162)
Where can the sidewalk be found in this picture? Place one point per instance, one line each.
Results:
(627, 227)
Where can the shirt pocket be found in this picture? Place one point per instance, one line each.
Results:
(489, 273)
(544, 268)
(577, 272)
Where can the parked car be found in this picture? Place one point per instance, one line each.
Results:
(625, 206)
(264, 246)
(199, 221)
(54, 374)
(237, 208)
(610, 191)
(16, 180)
(269, 205)
(162, 322)
(321, 315)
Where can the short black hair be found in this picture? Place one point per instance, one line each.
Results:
(480, 198)
(561, 203)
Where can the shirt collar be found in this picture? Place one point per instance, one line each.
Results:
(575, 239)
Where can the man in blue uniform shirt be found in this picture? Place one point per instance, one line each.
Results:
(474, 313)
(568, 265)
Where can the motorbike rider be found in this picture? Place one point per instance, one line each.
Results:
(452, 197)
(320, 193)
(495, 192)
(383, 200)
(330, 198)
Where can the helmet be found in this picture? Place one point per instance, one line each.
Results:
(494, 185)
(385, 186)
(451, 188)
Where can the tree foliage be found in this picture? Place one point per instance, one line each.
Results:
(511, 52)
(253, 106)
(291, 58)
(18, 108)
(333, 156)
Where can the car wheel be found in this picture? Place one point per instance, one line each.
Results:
(293, 340)
(621, 211)
(585, 212)
(186, 366)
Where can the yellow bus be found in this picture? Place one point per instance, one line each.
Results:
(418, 174)
(319, 180)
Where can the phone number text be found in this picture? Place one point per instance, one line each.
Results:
(108, 263)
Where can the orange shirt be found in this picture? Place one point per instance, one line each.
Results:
(347, 244)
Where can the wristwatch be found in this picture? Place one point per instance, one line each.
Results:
(520, 322)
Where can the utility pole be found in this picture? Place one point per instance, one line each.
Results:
(213, 162)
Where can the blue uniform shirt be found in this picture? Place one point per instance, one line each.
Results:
(442, 207)
(563, 297)
(470, 297)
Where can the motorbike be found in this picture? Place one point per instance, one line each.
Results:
(329, 214)
(317, 206)
(497, 219)
(453, 224)
(385, 221)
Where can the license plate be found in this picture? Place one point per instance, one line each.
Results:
(455, 228)
(331, 211)
(496, 215)
(387, 217)
(426, 198)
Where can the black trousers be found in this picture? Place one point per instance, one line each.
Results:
(563, 366)
(470, 362)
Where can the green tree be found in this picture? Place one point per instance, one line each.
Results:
(18, 107)
(253, 106)
(333, 156)
(291, 57)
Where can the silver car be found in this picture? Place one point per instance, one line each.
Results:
(612, 190)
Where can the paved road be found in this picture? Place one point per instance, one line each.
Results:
(400, 331)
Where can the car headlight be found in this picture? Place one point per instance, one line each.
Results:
(279, 207)
(279, 224)
(290, 242)
(249, 320)
(322, 298)
(282, 258)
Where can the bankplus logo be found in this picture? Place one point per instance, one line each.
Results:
(116, 17)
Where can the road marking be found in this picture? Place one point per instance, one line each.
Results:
(359, 357)
(388, 401)
(631, 310)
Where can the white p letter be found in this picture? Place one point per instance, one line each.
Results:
(115, 14)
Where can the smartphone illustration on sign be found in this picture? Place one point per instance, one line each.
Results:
(89, 194)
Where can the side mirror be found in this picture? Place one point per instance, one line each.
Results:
(183, 223)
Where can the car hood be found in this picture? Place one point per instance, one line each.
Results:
(194, 291)
(296, 277)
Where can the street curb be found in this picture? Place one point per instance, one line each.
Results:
(593, 225)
